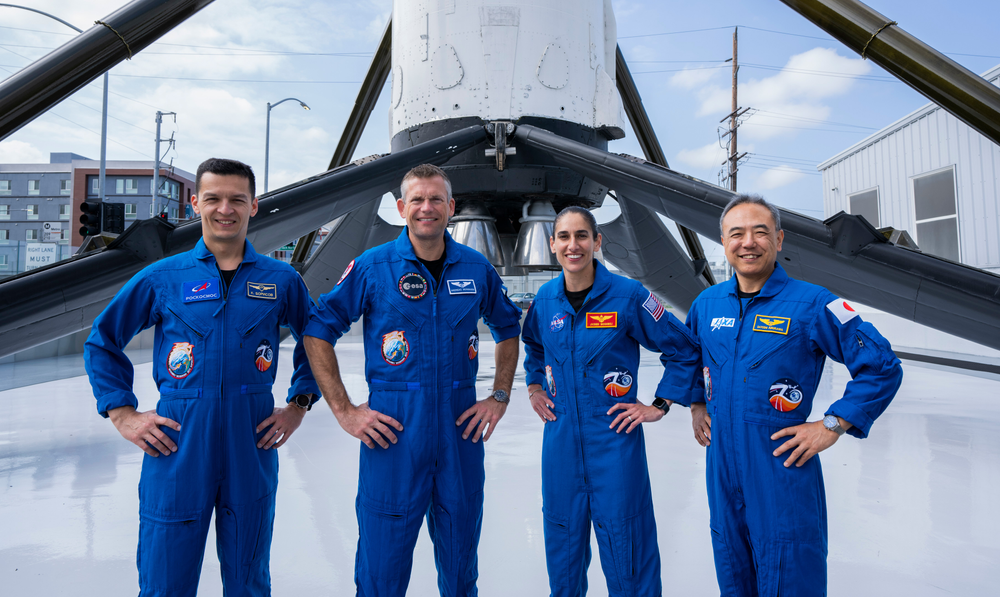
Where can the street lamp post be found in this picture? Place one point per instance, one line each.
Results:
(104, 111)
(267, 133)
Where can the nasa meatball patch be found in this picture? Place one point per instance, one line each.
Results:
(785, 395)
(618, 381)
(558, 322)
(263, 356)
(841, 310)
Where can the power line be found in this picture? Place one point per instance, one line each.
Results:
(825, 73)
(236, 80)
(804, 119)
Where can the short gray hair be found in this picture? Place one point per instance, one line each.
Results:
(753, 200)
(424, 171)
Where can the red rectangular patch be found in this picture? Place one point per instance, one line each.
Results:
(602, 320)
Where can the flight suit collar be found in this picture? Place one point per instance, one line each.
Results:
(773, 286)
(202, 253)
(602, 281)
(405, 248)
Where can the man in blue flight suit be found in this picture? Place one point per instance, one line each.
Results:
(581, 344)
(764, 339)
(422, 296)
(217, 310)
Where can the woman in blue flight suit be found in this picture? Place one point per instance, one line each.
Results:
(582, 337)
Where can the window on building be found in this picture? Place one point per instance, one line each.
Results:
(95, 185)
(4, 212)
(4, 187)
(4, 234)
(31, 234)
(65, 211)
(936, 214)
(865, 204)
(32, 211)
(131, 186)
(65, 186)
(3, 262)
(34, 187)
(152, 209)
(173, 213)
(130, 210)
(67, 234)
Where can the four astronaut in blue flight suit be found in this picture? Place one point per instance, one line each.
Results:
(764, 339)
(217, 310)
(582, 337)
(422, 296)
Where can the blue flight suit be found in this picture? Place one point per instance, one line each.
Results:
(214, 362)
(760, 374)
(421, 343)
(587, 361)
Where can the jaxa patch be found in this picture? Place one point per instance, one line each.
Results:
(262, 291)
(180, 360)
(723, 322)
(602, 320)
(841, 310)
(558, 322)
(201, 290)
(618, 382)
(395, 348)
(653, 307)
(263, 356)
(773, 325)
(413, 286)
(350, 266)
(461, 287)
(550, 381)
(474, 344)
(785, 395)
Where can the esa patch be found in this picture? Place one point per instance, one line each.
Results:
(263, 356)
(413, 286)
(785, 395)
(474, 344)
(653, 307)
(723, 322)
(602, 320)
(841, 310)
(201, 290)
(550, 381)
(260, 290)
(461, 287)
(773, 325)
(558, 322)
(395, 348)
(350, 266)
(618, 381)
(180, 360)
(708, 383)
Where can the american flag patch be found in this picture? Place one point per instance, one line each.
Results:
(653, 307)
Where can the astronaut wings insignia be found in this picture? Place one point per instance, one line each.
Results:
(461, 287)
(602, 320)
(262, 291)
(770, 324)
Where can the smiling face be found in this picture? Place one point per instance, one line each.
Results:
(426, 208)
(574, 244)
(751, 243)
(225, 205)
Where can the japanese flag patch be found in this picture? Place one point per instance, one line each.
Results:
(841, 310)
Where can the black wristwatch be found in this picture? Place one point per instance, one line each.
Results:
(500, 396)
(662, 404)
(303, 401)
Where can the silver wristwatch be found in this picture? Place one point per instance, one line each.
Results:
(831, 423)
(303, 401)
(500, 396)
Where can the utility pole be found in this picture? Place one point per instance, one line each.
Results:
(156, 166)
(732, 162)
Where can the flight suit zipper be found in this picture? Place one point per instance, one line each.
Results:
(576, 392)
(222, 377)
(186, 324)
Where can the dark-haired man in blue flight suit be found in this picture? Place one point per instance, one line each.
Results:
(422, 296)
(764, 339)
(217, 310)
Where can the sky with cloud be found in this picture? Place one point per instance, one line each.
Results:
(809, 97)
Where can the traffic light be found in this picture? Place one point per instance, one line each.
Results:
(90, 217)
(114, 218)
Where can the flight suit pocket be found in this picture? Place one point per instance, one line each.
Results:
(558, 549)
(393, 398)
(617, 550)
(381, 528)
(780, 383)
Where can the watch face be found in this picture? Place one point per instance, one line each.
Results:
(501, 396)
(303, 401)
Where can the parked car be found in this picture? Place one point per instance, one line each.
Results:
(522, 299)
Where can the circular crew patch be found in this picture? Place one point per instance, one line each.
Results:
(350, 266)
(413, 286)
(263, 356)
(558, 322)
(785, 395)
(395, 348)
(708, 384)
(550, 381)
(180, 360)
(618, 381)
(473, 344)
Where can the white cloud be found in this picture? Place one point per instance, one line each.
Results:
(707, 157)
(780, 176)
(20, 152)
(691, 78)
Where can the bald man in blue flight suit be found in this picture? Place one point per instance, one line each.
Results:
(210, 441)
(422, 297)
(765, 338)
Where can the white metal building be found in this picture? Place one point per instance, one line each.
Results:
(929, 174)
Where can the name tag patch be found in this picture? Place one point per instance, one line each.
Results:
(461, 287)
(262, 291)
(773, 325)
(602, 320)
(201, 290)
